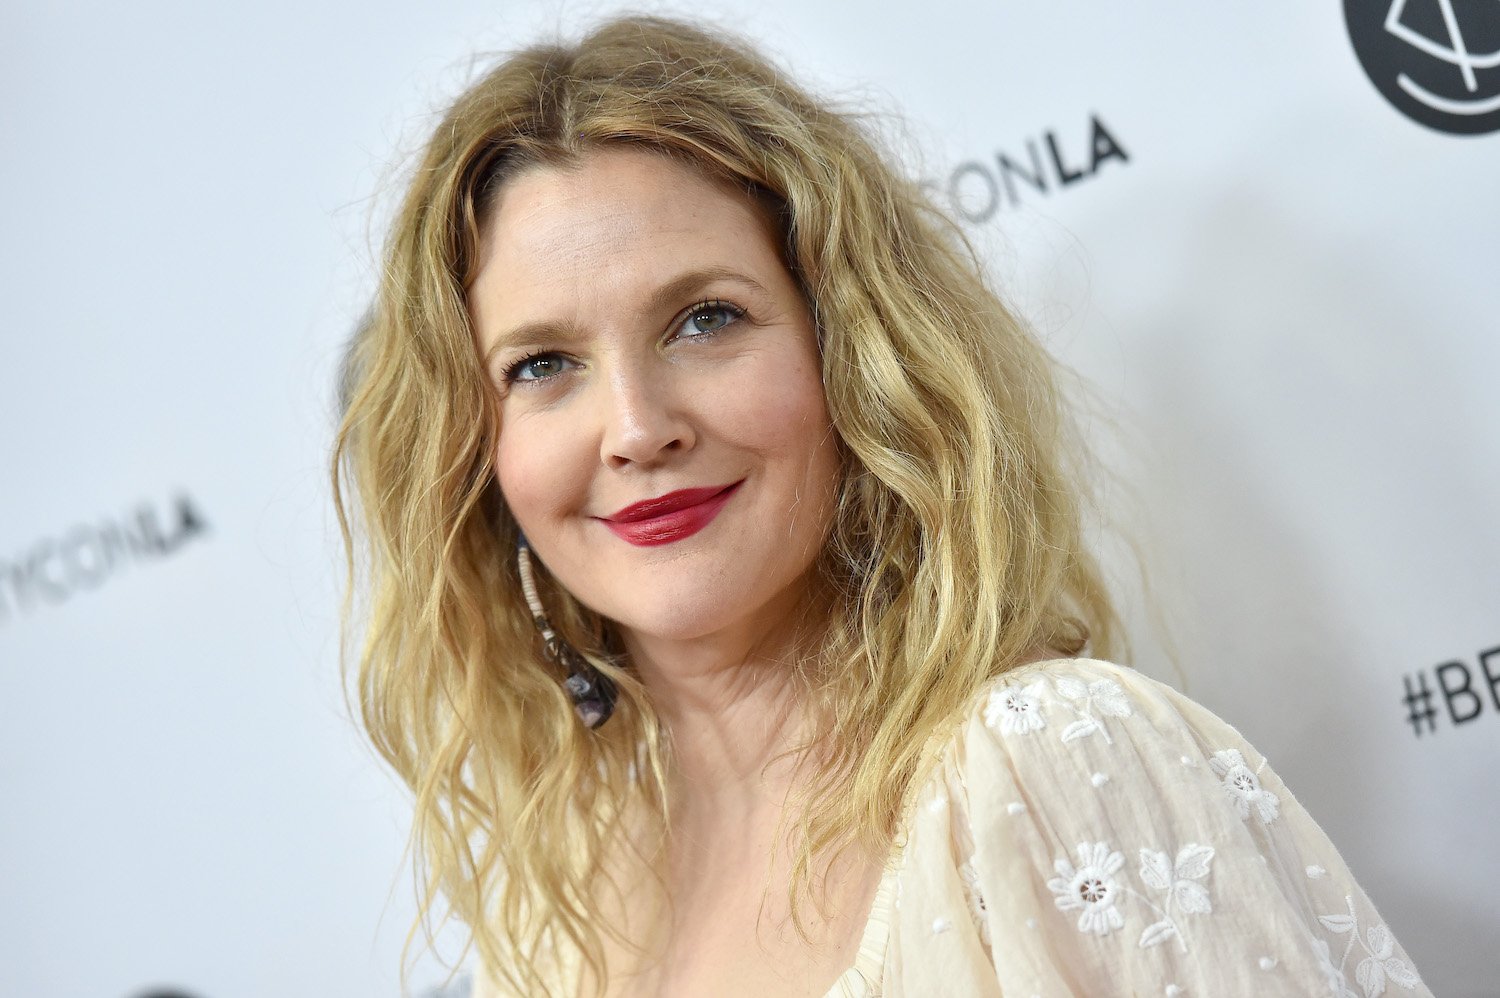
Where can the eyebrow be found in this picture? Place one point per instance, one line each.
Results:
(662, 298)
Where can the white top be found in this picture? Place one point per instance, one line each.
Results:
(1086, 830)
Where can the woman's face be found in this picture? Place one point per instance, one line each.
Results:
(650, 347)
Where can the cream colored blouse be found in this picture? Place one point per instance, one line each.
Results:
(1089, 831)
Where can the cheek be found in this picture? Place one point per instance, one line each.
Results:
(781, 413)
(532, 471)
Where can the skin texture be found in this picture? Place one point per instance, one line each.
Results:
(639, 405)
(625, 398)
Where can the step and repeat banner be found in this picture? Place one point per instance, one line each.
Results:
(1264, 235)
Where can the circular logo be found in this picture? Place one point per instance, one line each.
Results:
(1436, 61)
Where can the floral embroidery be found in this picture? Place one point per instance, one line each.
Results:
(1243, 787)
(1095, 883)
(1091, 887)
(1374, 969)
(1018, 710)
(1180, 878)
(1102, 695)
(977, 907)
(1180, 881)
(1015, 710)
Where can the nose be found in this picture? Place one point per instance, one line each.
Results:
(644, 422)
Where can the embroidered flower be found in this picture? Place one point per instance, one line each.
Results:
(1102, 696)
(1016, 710)
(1091, 887)
(1243, 787)
(977, 907)
(1381, 964)
(1180, 878)
(1180, 881)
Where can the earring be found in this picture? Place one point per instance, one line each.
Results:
(592, 693)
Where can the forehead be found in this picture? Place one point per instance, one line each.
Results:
(612, 227)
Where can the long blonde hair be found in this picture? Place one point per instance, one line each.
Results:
(957, 545)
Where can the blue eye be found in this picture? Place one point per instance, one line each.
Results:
(707, 318)
(537, 367)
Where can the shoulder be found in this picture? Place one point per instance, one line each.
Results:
(1103, 738)
(1031, 697)
(1141, 835)
(1087, 700)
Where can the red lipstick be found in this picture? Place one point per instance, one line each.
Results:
(670, 517)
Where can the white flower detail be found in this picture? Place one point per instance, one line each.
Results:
(1243, 787)
(1015, 709)
(977, 907)
(1180, 878)
(1091, 887)
(1180, 881)
(1102, 696)
(1381, 963)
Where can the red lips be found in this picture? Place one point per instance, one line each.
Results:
(670, 517)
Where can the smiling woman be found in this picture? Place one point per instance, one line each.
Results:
(682, 397)
(724, 548)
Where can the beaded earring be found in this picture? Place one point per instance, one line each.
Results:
(592, 693)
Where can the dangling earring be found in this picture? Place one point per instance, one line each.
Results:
(592, 693)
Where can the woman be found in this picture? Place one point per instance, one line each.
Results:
(728, 583)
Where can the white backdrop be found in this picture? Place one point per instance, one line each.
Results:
(1283, 286)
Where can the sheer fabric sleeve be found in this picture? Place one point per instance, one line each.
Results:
(1127, 841)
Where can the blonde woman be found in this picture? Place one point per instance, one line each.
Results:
(727, 592)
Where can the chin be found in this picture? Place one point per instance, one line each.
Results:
(686, 617)
(675, 626)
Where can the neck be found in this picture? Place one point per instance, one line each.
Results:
(730, 703)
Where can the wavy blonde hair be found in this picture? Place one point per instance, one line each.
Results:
(956, 550)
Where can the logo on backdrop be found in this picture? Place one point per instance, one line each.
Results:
(55, 569)
(1466, 689)
(1436, 61)
(977, 189)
